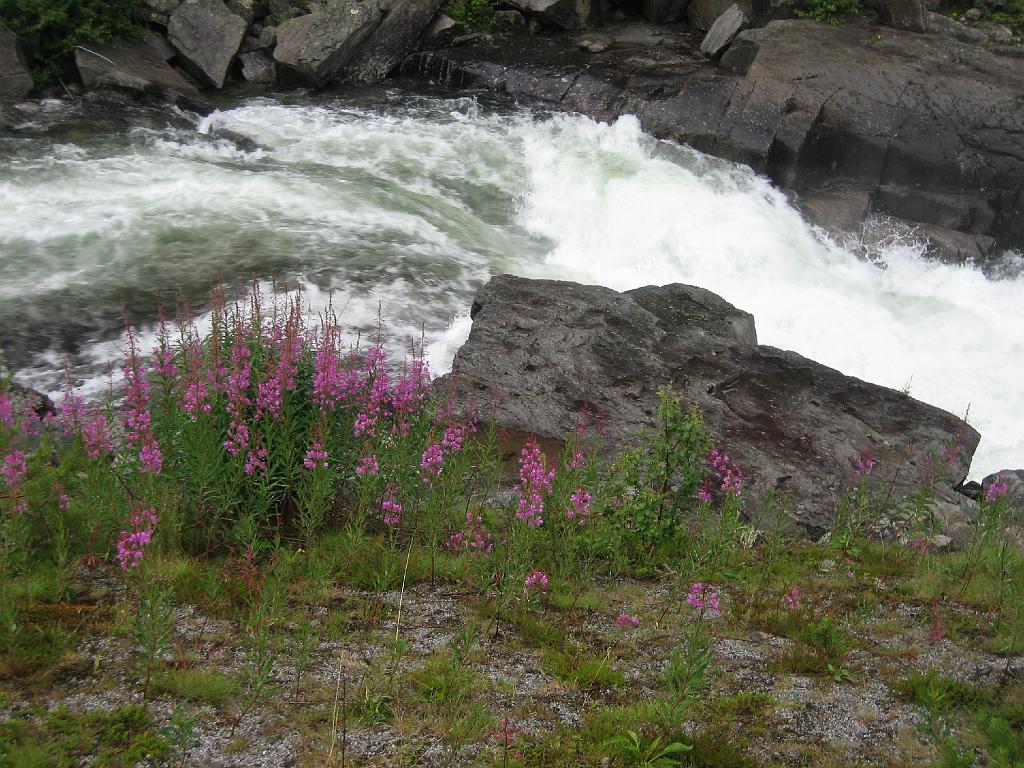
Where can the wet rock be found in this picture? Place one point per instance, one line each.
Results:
(723, 31)
(664, 11)
(208, 36)
(1013, 479)
(312, 49)
(837, 211)
(258, 67)
(441, 32)
(899, 14)
(561, 14)
(394, 39)
(509, 23)
(595, 42)
(540, 350)
(15, 80)
(134, 66)
(26, 399)
(944, 25)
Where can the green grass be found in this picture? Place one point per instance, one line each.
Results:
(196, 685)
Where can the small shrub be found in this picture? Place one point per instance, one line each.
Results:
(475, 14)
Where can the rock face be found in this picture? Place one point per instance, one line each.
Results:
(313, 48)
(208, 36)
(257, 67)
(561, 14)
(900, 14)
(664, 11)
(15, 80)
(926, 130)
(134, 66)
(384, 49)
(541, 350)
(723, 31)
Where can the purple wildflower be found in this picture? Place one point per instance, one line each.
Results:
(367, 465)
(536, 580)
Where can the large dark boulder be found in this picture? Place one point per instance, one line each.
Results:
(136, 66)
(925, 129)
(542, 350)
(900, 14)
(396, 37)
(15, 80)
(724, 31)
(313, 48)
(207, 36)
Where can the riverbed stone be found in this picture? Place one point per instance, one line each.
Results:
(15, 80)
(540, 351)
(723, 31)
(312, 49)
(393, 39)
(207, 36)
(135, 66)
(258, 67)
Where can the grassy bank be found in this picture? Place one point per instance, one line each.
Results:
(280, 549)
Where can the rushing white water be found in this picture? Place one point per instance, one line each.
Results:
(413, 203)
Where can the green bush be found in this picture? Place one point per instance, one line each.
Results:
(475, 14)
(50, 29)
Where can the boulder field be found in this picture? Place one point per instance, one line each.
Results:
(541, 352)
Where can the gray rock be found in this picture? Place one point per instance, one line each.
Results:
(973, 14)
(159, 11)
(313, 48)
(394, 38)
(509, 23)
(899, 14)
(723, 31)
(133, 66)
(159, 45)
(441, 32)
(702, 14)
(258, 67)
(1014, 479)
(562, 14)
(838, 211)
(944, 25)
(268, 37)
(540, 350)
(244, 8)
(594, 42)
(15, 80)
(664, 11)
(208, 36)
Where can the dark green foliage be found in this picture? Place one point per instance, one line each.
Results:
(829, 11)
(475, 14)
(1012, 15)
(50, 29)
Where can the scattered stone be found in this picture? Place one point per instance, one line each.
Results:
(973, 14)
(541, 350)
(393, 40)
(258, 67)
(208, 36)
(133, 66)
(313, 48)
(723, 31)
(244, 8)
(159, 11)
(595, 42)
(267, 37)
(15, 80)
(702, 14)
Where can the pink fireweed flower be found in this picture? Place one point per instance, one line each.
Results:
(791, 599)
(534, 483)
(365, 424)
(453, 438)
(392, 510)
(997, 490)
(96, 435)
(865, 466)
(704, 494)
(367, 465)
(70, 410)
(951, 453)
(135, 418)
(431, 463)
(132, 543)
(473, 538)
(579, 506)
(63, 502)
(506, 732)
(703, 597)
(198, 385)
(6, 411)
(729, 475)
(162, 362)
(920, 546)
(256, 461)
(412, 389)
(577, 460)
(316, 457)
(14, 469)
(626, 620)
(537, 580)
(236, 388)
